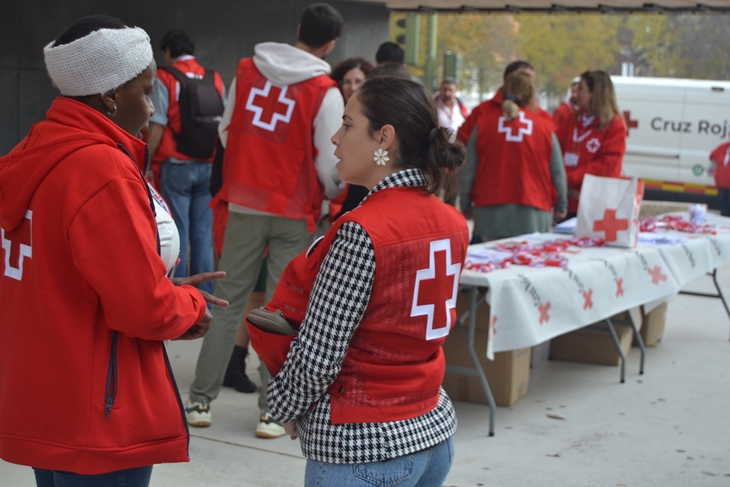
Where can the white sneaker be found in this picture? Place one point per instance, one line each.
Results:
(198, 414)
(268, 427)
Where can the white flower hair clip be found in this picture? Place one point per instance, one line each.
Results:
(381, 157)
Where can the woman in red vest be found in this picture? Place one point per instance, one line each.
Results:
(594, 141)
(514, 180)
(361, 382)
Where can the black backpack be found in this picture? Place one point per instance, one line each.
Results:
(201, 108)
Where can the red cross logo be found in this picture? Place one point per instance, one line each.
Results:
(272, 102)
(437, 287)
(593, 145)
(523, 126)
(619, 287)
(493, 325)
(610, 225)
(543, 309)
(656, 275)
(630, 124)
(17, 246)
(588, 299)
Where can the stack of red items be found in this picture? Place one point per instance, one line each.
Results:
(546, 254)
(673, 222)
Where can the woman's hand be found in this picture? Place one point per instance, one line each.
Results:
(573, 194)
(291, 429)
(559, 215)
(198, 279)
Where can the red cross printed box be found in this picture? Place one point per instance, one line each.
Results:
(609, 209)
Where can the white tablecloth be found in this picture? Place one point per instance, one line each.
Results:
(531, 305)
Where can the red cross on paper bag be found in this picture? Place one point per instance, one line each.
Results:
(588, 299)
(17, 245)
(610, 225)
(630, 124)
(270, 106)
(543, 309)
(436, 288)
(619, 287)
(656, 275)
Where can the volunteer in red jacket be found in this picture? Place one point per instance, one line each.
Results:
(184, 179)
(362, 380)
(594, 140)
(568, 108)
(87, 396)
(514, 179)
(720, 157)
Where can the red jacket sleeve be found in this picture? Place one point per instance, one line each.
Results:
(464, 132)
(608, 159)
(114, 245)
(718, 154)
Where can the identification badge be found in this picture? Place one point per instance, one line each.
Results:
(571, 159)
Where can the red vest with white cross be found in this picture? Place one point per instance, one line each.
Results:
(268, 164)
(395, 364)
(514, 159)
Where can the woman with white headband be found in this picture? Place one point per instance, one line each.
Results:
(87, 396)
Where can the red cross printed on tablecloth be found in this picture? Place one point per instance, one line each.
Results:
(543, 309)
(619, 287)
(270, 106)
(493, 325)
(630, 124)
(523, 127)
(588, 299)
(610, 225)
(656, 275)
(436, 288)
(17, 245)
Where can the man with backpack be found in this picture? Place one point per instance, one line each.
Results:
(189, 101)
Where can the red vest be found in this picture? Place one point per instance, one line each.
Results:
(395, 364)
(721, 155)
(167, 145)
(269, 159)
(563, 113)
(514, 159)
(588, 151)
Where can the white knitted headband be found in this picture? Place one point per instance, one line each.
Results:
(98, 62)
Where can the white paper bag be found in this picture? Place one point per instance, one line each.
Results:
(609, 209)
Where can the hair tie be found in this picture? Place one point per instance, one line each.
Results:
(512, 98)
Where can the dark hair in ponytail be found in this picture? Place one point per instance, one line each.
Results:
(422, 144)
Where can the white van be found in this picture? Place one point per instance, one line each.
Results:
(673, 125)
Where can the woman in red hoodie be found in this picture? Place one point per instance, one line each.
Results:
(87, 396)
(594, 141)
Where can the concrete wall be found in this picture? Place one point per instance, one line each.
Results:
(223, 30)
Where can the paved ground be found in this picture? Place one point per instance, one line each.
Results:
(668, 427)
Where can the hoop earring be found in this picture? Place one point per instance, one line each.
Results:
(380, 157)
(111, 114)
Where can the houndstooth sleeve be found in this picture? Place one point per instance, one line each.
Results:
(339, 298)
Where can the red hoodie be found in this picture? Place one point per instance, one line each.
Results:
(85, 385)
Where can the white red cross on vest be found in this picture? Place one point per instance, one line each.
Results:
(17, 246)
(523, 126)
(270, 103)
(610, 225)
(436, 288)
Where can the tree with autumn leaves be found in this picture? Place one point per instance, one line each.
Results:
(561, 46)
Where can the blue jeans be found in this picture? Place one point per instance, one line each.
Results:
(186, 188)
(427, 468)
(133, 477)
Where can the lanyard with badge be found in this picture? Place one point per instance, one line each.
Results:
(571, 157)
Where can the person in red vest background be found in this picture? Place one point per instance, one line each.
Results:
(183, 180)
(568, 108)
(719, 158)
(594, 140)
(361, 383)
(278, 166)
(514, 179)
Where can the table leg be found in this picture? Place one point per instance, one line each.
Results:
(719, 294)
(639, 340)
(609, 324)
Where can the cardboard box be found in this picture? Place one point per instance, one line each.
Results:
(656, 208)
(508, 374)
(592, 344)
(653, 327)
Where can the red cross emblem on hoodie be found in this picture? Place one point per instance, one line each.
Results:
(17, 245)
(611, 225)
(270, 106)
(436, 288)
